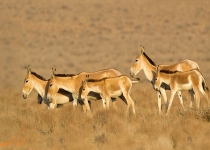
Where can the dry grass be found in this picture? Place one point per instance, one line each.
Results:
(75, 36)
(69, 128)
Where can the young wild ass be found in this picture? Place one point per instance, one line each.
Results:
(109, 87)
(179, 81)
(143, 62)
(33, 80)
(73, 83)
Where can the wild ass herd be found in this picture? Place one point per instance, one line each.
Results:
(108, 84)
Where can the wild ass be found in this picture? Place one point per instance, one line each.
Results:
(143, 62)
(33, 80)
(109, 87)
(73, 83)
(178, 81)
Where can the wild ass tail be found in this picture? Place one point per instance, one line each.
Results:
(205, 87)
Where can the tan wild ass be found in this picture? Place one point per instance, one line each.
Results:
(109, 87)
(143, 62)
(179, 81)
(73, 83)
(33, 80)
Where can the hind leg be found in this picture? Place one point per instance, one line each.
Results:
(180, 99)
(192, 94)
(130, 102)
(197, 97)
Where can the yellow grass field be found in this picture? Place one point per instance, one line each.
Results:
(89, 35)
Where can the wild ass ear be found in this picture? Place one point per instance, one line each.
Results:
(141, 49)
(157, 69)
(53, 71)
(28, 69)
(86, 77)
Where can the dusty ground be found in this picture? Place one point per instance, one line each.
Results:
(76, 36)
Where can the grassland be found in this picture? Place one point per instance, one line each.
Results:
(75, 36)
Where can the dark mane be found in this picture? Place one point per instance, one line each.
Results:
(150, 60)
(169, 72)
(64, 75)
(38, 76)
(96, 80)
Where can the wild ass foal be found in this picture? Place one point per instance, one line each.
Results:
(143, 62)
(179, 81)
(109, 87)
(73, 83)
(33, 80)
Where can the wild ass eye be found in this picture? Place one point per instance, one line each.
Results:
(26, 81)
(136, 60)
(51, 85)
(83, 89)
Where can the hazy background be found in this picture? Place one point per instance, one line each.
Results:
(90, 35)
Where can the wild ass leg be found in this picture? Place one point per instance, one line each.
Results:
(170, 102)
(130, 102)
(180, 99)
(197, 97)
(192, 94)
(86, 105)
(53, 104)
(75, 97)
(104, 103)
(39, 99)
(163, 93)
(114, 102)
(108, 99)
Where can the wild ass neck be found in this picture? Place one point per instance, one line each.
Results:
(39, 85)
(149, 69)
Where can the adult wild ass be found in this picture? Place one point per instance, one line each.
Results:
(143, 62)
(109, 87)
(73, 83)
(33, 80)
(178, 81)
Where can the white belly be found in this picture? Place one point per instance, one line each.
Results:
(115, 93)
(185, 87)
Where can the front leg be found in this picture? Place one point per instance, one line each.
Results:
(39, 99)
(170, 102)
(75, 97)
(163, 93)
(159, 102)
(108, 99)
(53, 104)
(103, 101)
